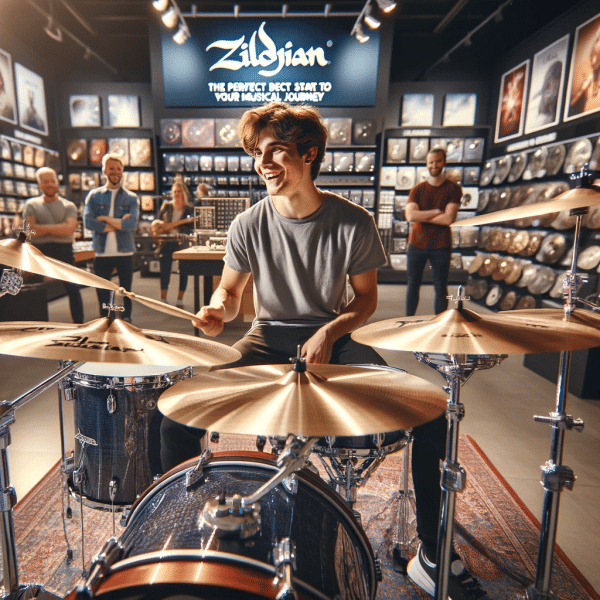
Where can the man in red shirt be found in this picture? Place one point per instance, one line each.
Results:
(432, 207)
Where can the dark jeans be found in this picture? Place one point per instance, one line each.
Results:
(64, 253)
(276, 345)
(440, 265)
(103, 267)
(166, 263)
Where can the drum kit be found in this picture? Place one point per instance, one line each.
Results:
(245, 522)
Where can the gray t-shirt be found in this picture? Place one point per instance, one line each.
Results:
(300, 265)
(50, 213)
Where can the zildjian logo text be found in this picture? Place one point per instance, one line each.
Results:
(85, 343)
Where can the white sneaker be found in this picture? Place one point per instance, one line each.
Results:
(179, 304)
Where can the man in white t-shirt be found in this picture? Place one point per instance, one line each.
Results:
(111, 213)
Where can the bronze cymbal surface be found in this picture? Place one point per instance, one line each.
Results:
(112, 342)
(322, 400)
(578, 316)
(575, 198)
(26, 257)
(462, 331)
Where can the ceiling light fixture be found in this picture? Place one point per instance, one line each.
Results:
(169, 18)
(160, 5)
(386, 5)
(358, 32)
(182, 34)
(53, 31)
(370, 20)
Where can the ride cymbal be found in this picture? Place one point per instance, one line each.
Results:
(462, 331)
(26, 257)
(322, 400)
(576, 198)
(112, 342)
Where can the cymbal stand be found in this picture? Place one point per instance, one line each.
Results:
(456, 370)
(555, 475)
(10, 572)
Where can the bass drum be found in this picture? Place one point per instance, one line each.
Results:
(170, 550)
(117, 429)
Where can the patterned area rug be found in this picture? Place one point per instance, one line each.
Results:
(495, 534)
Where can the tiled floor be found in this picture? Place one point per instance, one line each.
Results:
(500, 404)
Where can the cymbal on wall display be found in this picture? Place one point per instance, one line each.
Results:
(477, 288)
(525, 303)
(508, 301)
(534, 243)
(493, 200)
(503, 268)
(487, 173)
(578, 155)
(567, 259)
(515, 272)
(536, 162)
(518, 242)
(502, 169)
(493, 296)
(531, 197)
(589, 257)
(564, 220)
(552, 248)
(544, 280)
(556, 291)
(322, 400)
(594, 164)
(517, 195)
(528, 275)
(476, 263)
(462, 331)
(554, 159)
(519, 162)
(482, 201)
(488, 266)
(504, 199)
(111, 341)
(591, 220)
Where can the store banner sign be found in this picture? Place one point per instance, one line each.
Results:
(245, 62)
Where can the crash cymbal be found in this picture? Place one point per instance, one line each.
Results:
(554, 159)
(277, 400)
(578, 155)
(26, 257)
(584, 317)
(113, 342)
(462, 331)
(576, 198)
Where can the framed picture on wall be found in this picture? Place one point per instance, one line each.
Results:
(459, 110)
(123, 110)
(546, 87)
(417, 110)
(583, 92)
(84, 110)
(511, 103)
(8, 104)
(31, 100)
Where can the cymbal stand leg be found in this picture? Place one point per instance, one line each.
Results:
(8, 497)
(555, 475)
(403, 541)
(453, 479)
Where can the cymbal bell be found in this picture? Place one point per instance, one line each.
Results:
(324, 400)
(109, 341)
(462, 331)
(26, 257)
(576, 198)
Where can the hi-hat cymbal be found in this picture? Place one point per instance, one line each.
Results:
(26, 257)
(323, 400)
(462, 331)
(576, 198)
(112, 342)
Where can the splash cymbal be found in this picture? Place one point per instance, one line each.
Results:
(322, 400)
(26, 257)
(112, 342)
(462, 331)
(576, 198)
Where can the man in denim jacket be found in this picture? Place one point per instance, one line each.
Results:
(111, 213)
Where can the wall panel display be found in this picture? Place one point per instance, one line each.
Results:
(583, 93)
(123, 110)
(547, 84)
(244, 62)
(417, 110)
(84, 110)
(459, 109)
(8, 104)
(511, 104)
(31, 100)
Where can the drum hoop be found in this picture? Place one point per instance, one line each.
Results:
(213, 556)
(96, 381)
(363, 452)
(230, 459)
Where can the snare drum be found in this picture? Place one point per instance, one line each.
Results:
(117, 429)
(169, 549)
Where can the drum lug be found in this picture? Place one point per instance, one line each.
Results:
(101, 564)
(284, 557)
(69, 391)
(196, 475)
(125, 516)
(214, 437)
(291, 484)
(111, 404)
(378, 568)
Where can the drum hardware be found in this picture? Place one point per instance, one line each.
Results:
(10, 283)
(241, 514)
(8, 499)
(111, 552)
(196, 475)
(284, 557)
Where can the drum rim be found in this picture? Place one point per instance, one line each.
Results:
(97, 381)
(245, 458)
